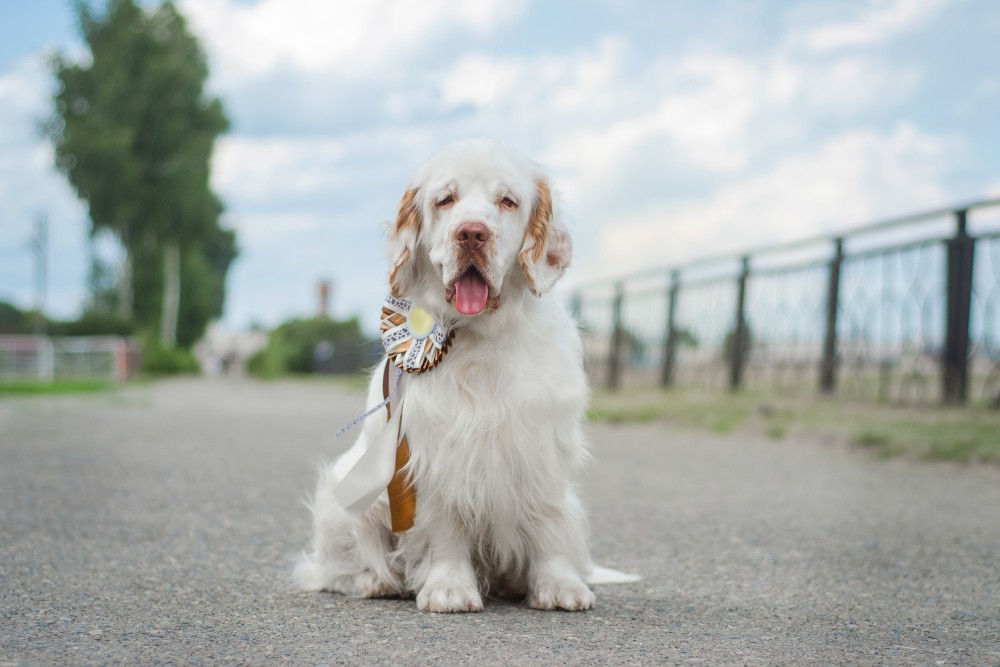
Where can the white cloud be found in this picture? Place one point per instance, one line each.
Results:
(246, 168)
(587, 114)
(480, 81)
(30, 188)
(848, 86)
(290, 170)
(581, 83)
(261, 228)
(22, 89)
(607, 114)
(988, 87)
(352, 40)
(856, 177)
(702, 112)
(617, 128)
(879, 21)
(711, 114)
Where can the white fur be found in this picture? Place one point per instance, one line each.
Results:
(494, 431)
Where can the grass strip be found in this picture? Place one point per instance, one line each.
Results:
(56, 388)
(927, 432)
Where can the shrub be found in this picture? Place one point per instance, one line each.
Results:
(269, 362)
(159, 360)
(292, 348)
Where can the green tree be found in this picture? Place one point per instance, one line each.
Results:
(13, 320)
(133, 131)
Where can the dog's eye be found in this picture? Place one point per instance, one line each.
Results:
(508, 203)
(446, 201)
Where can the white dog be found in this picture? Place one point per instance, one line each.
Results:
(494, 430)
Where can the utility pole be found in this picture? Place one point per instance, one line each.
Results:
(325, 293)
(40, 245)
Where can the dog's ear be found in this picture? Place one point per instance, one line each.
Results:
(403, 235)
(547, 248)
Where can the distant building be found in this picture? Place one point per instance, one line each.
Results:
(222, 353)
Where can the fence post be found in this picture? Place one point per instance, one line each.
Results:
(614, 354)
(738, 337)
(955, 358)
(670, 342)
(828, 365)
(45, 357)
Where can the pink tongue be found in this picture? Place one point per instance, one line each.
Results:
(471, 293)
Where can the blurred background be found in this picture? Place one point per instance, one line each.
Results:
(203, 177)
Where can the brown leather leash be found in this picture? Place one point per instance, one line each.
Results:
(402, 495)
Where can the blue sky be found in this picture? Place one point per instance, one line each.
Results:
(673, 130)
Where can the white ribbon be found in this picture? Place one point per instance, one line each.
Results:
(364, 471)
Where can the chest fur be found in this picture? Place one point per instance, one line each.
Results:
(496, 433)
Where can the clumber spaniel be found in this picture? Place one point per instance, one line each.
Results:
(494, 431)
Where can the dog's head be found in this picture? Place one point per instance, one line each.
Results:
(478, 222)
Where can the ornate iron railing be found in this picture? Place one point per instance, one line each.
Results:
(906, 310)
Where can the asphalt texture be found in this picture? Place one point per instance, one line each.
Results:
(158, 524)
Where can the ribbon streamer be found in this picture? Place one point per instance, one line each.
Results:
(367, 468)
(357, 420)
(413, 343)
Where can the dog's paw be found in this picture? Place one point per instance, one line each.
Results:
(447, 598)
(367, 585)
(565, 594)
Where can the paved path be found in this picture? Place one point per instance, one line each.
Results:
(156, 525)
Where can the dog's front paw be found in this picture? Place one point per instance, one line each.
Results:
(367, 585)
(565, 594)
(364, 584)
(448, 598)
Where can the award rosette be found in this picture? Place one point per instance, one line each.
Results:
(413, 341)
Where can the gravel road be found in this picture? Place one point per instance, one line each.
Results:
(157, 524)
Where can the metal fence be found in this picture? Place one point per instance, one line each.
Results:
(906, 310)
(45, 359)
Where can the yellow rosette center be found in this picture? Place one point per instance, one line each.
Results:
(421, 321)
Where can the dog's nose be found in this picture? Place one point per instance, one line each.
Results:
(472, 235)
